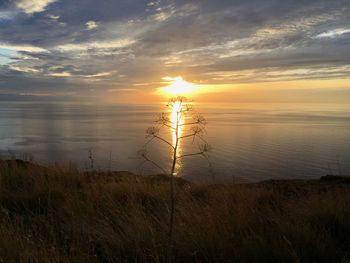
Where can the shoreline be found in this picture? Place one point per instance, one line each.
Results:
(28, 164)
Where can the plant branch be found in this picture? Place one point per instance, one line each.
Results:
(200, 137)
(169, 126)
(148, 142)
(163, 119)
(190, 154)
(187, 136)
(163, 140)
(154, 163)
(190, 123)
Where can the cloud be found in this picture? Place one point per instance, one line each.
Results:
(154, 3)
(91, 25)
(109, 44)
(5, 14)
(99, 75)
(334, 33)
(33, 6)
(53, 17)
(60, 74)
(19, 47)
(136, 43)
(24, 69)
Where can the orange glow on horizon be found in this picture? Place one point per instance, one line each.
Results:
(278, 91)
(178, 86)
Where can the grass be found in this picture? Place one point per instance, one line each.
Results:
(59, 214)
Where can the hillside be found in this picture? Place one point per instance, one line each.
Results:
(59, 214)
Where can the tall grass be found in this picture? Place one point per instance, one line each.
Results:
(59, 214)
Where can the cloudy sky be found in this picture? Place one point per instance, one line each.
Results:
(123, 50)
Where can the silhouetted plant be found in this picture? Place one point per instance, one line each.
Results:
(185, 124)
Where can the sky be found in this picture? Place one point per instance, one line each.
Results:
(125, 50)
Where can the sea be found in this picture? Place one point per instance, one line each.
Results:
(249, 142)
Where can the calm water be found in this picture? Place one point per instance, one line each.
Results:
(251, 142)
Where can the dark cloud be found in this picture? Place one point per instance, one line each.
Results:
(51, 48)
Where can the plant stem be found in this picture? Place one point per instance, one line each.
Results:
(172, 191)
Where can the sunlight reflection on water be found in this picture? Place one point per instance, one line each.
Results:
(177, 119)
(250, 142)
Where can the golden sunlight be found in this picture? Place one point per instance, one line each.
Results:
(178, 86)
(177, 119)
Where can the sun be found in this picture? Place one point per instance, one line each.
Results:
(178, 86)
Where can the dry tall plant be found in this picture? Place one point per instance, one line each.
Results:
(186, 126)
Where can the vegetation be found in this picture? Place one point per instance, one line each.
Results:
(182, 131)
(59, 214)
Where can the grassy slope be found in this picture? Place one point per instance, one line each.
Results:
(61, 215)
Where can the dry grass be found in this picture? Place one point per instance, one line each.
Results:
(62, 215)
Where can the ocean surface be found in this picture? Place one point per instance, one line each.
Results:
(250, 142)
